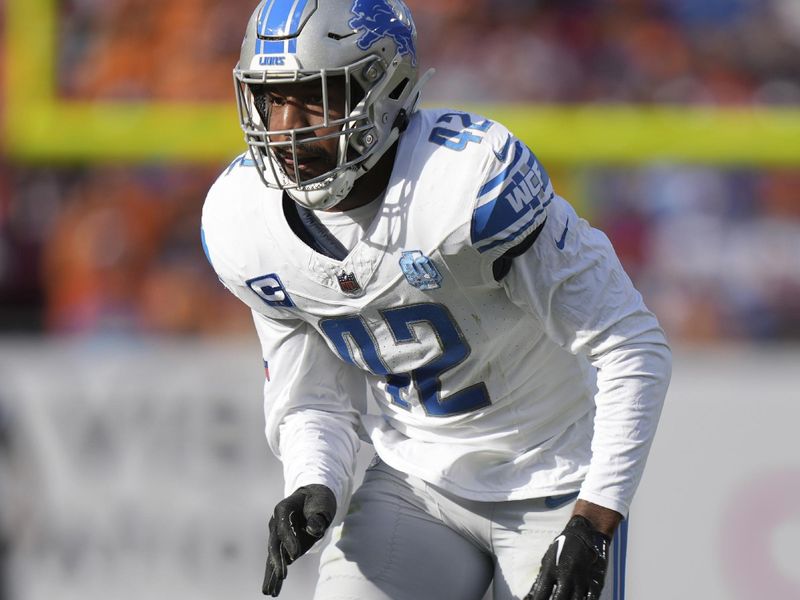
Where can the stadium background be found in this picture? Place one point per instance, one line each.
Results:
(132, 462)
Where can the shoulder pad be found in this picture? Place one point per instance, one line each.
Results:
(512, 200)
(230, 206)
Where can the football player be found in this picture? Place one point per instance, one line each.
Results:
(416, 282)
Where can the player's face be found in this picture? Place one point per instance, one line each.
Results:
(299, 105)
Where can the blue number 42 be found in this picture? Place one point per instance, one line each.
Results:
(426, 378)
(458, 139)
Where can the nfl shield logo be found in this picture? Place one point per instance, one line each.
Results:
(348, 283)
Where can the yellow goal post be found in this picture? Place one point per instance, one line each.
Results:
(41, 127)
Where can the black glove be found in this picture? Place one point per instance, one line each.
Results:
(574, 566)
(297, 523)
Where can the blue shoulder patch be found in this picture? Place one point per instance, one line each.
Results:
(511, 201)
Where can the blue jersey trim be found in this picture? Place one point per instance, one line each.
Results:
(242, 160)
(501, 177)
(205, 246)
(506, 209)
(518, 232)
(490, 219)
(542, 173)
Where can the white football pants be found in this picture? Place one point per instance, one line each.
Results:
(404, 539)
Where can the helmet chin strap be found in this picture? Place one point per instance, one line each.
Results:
(342, 183)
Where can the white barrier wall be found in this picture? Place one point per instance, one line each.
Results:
(140, 470)
(144, 472)
(718, 514)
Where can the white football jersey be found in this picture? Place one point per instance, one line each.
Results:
(486, 388)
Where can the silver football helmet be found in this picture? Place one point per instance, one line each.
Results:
(369, 45)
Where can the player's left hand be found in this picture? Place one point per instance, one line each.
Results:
(574, 566)
(297, 523)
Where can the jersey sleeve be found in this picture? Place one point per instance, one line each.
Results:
(226, 219)
(220, 225)
(309, 406)
(572, 282)
(309, 394)
(513, 196)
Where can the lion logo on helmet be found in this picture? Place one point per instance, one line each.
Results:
(380, 19)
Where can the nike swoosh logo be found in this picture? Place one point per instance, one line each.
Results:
(503, 153)
(560, 541)
(560, 242)
(558, 501)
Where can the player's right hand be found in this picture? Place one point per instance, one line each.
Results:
(296, 524)
(574, 566)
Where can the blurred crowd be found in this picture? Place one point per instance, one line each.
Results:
(714, 253)
(116, 250)
(673, 51)
(644, 51)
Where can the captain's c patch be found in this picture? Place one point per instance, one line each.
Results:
(270, 289)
